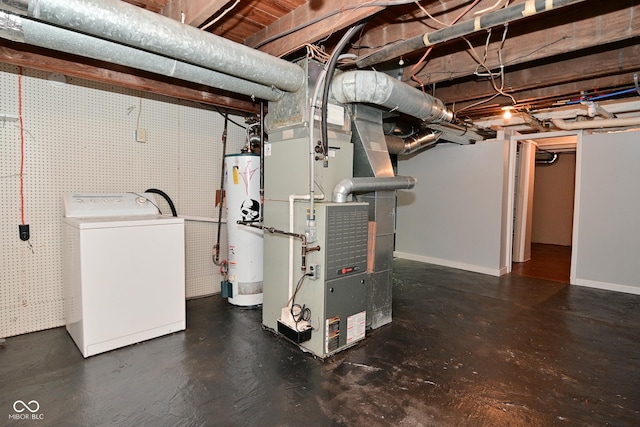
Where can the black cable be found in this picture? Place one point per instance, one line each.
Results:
(226, 115)
(166, 197)
(305, 313)
(327, 82)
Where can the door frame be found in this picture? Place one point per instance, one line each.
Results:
(514, 139)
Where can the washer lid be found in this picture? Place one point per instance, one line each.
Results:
(90, 205)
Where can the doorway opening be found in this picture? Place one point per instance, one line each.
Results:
(544, 201)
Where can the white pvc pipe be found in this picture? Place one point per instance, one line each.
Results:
(292, 199)
(596, 124)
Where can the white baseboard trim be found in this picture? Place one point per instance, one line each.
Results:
(452, 264)
(608, 286)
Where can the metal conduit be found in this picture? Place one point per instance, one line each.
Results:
(484, 22)
(381, 89)
(360, 185)
(35, 33)
(133, 26)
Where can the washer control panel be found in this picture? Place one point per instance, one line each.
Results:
(88, 205)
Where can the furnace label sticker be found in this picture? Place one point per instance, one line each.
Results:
(332, 337)
(356, 326)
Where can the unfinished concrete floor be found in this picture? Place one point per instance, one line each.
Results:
(464, 349)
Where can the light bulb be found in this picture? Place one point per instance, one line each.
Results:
(507, 112)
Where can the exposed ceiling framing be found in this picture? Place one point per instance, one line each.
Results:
(539, 61)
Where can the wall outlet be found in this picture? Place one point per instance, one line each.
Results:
(314, 271)
(24, 232)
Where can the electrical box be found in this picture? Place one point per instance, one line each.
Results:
(337, 298)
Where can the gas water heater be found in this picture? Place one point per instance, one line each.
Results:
(242, 186)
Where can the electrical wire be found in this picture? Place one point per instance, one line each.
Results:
(491, 8)
(303, 313)
(482, 64)
(225, 115)
(424, 57)
(22, 145)
(317, 52)
(139, 109)
(429, 15)
(219, 17)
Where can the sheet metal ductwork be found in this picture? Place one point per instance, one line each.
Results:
(411, 144)
(359, 185)
(376, 88)
(24, 30)
(132, 26)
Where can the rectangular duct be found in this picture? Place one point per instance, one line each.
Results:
(371, 159)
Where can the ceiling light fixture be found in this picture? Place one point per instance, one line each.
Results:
(507, 112)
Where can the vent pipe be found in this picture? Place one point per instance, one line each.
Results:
(36, 33)
(411, 144)
(363, 185)
(133, 26)
(381, 89)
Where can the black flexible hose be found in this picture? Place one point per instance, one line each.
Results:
(327, 82)
(166, 197)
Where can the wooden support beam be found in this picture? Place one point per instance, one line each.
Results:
(623, 60)
(417, 23)
(70, 65)
(573, 29)
(543, 97)
(336, 17)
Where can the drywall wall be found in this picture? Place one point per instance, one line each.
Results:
(80, 136)
(553, 197)
(456, 215)
(607, 244)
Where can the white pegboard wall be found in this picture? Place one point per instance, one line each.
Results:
(80, 136)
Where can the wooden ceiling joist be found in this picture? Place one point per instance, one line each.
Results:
(336, 17)
(55, 62)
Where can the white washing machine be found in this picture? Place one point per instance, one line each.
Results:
(124, 270)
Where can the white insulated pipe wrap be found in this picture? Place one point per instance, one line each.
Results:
(133, 26)
(381, 89)
(11, 27)
(47, 36)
